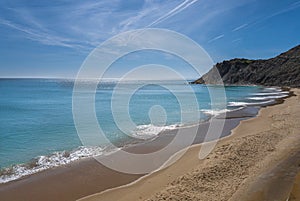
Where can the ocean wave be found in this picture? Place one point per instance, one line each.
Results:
(65, 157)
(235, 104)
(270, 93)
(272, 89)
(267, 97)
(218, 112)
(149, 130)
(46, 162)
(214, 112)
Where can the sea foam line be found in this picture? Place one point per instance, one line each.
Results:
(270, 93)
(46, 162)
(64, 157)
(266, 97)
(234, 104)
(149, 130)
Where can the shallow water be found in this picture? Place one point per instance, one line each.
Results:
(36, 120)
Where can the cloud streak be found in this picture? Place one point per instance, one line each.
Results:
(291, 7)
(173, 12)
(84, 25)
(240, 27)
(216, 38)
(41, 37)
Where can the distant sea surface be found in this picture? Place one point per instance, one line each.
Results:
(37, 130)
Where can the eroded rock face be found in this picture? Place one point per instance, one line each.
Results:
(283, 70)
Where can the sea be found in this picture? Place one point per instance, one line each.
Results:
(37, 129)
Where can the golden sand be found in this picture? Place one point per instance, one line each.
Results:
(259, 161)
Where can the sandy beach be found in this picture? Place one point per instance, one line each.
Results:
(295, 194)
(149, 100)
(259, 161)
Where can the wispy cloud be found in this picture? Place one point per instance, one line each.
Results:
(86, 24)
(42, 37)
(237, 40)
(173, 12)
(240, 27)
(290, 7)
(216, 38)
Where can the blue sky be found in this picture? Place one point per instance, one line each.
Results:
(52, 38)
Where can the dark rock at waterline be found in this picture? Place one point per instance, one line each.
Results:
(283, 70)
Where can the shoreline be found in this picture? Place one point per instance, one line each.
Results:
(174, 182)
(68, 179)
(72, 182)
(242, 111)
(239, 114)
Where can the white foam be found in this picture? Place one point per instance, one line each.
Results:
(62, 158)
(150, 130)
(272, 89)
(214, 112)
(218, 112)
(46, 162)
(266, 97)
(270, 93)
(233, 104)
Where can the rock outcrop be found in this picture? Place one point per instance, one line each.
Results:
(283, 70)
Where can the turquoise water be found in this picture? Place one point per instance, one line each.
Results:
(36, 115)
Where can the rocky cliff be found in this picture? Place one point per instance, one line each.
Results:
(283, 70)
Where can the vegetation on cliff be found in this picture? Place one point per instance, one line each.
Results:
(283, 70)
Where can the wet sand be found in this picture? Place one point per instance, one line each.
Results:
(259, 161)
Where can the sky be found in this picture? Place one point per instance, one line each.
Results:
(53, 38)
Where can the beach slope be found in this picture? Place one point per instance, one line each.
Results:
(259, 161)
